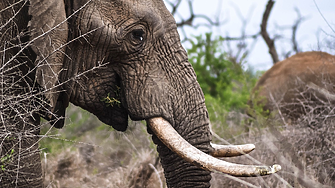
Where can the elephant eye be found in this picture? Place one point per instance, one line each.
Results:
(137, 34)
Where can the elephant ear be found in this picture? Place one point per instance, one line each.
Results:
(48, 33)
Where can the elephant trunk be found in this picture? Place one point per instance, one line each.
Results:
(178, 170)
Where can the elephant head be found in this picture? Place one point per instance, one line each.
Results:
(124, 58)
(290, 83)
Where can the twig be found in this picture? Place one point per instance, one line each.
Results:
(316, 5)
(157, 173)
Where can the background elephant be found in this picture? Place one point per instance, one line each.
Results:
(115, 59)
(295, 85)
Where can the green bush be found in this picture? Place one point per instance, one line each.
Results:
(227, 85)
(226, 81)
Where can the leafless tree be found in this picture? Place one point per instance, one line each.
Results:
(238, 47)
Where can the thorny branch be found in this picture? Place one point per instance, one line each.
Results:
(21, 99)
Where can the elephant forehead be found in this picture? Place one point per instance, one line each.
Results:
(115, 18)
(120, 11)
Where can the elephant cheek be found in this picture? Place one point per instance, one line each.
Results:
(109, 112)
(99, 96)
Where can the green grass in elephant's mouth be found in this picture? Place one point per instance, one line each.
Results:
(113, 101)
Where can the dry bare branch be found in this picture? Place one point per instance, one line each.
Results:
(270, 42)
(193, 19)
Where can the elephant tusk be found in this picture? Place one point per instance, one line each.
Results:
(230, 150)
(169, 136)
(321, 90)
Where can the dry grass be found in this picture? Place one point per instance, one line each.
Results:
(71, 169)
(101, 157)
(304, 148)
(306, 160)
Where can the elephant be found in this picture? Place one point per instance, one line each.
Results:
(289, 84)
(115, 59)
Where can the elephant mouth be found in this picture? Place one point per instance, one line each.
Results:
(169, 136)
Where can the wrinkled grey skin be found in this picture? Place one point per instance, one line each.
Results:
(139, 60)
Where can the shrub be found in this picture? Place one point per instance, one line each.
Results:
(228, 82)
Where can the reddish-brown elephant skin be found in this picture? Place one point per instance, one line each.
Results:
(296, 81)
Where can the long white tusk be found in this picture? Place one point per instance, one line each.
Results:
(230, 150)
(169, 136)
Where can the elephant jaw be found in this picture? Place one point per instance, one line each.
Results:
(169, 136)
